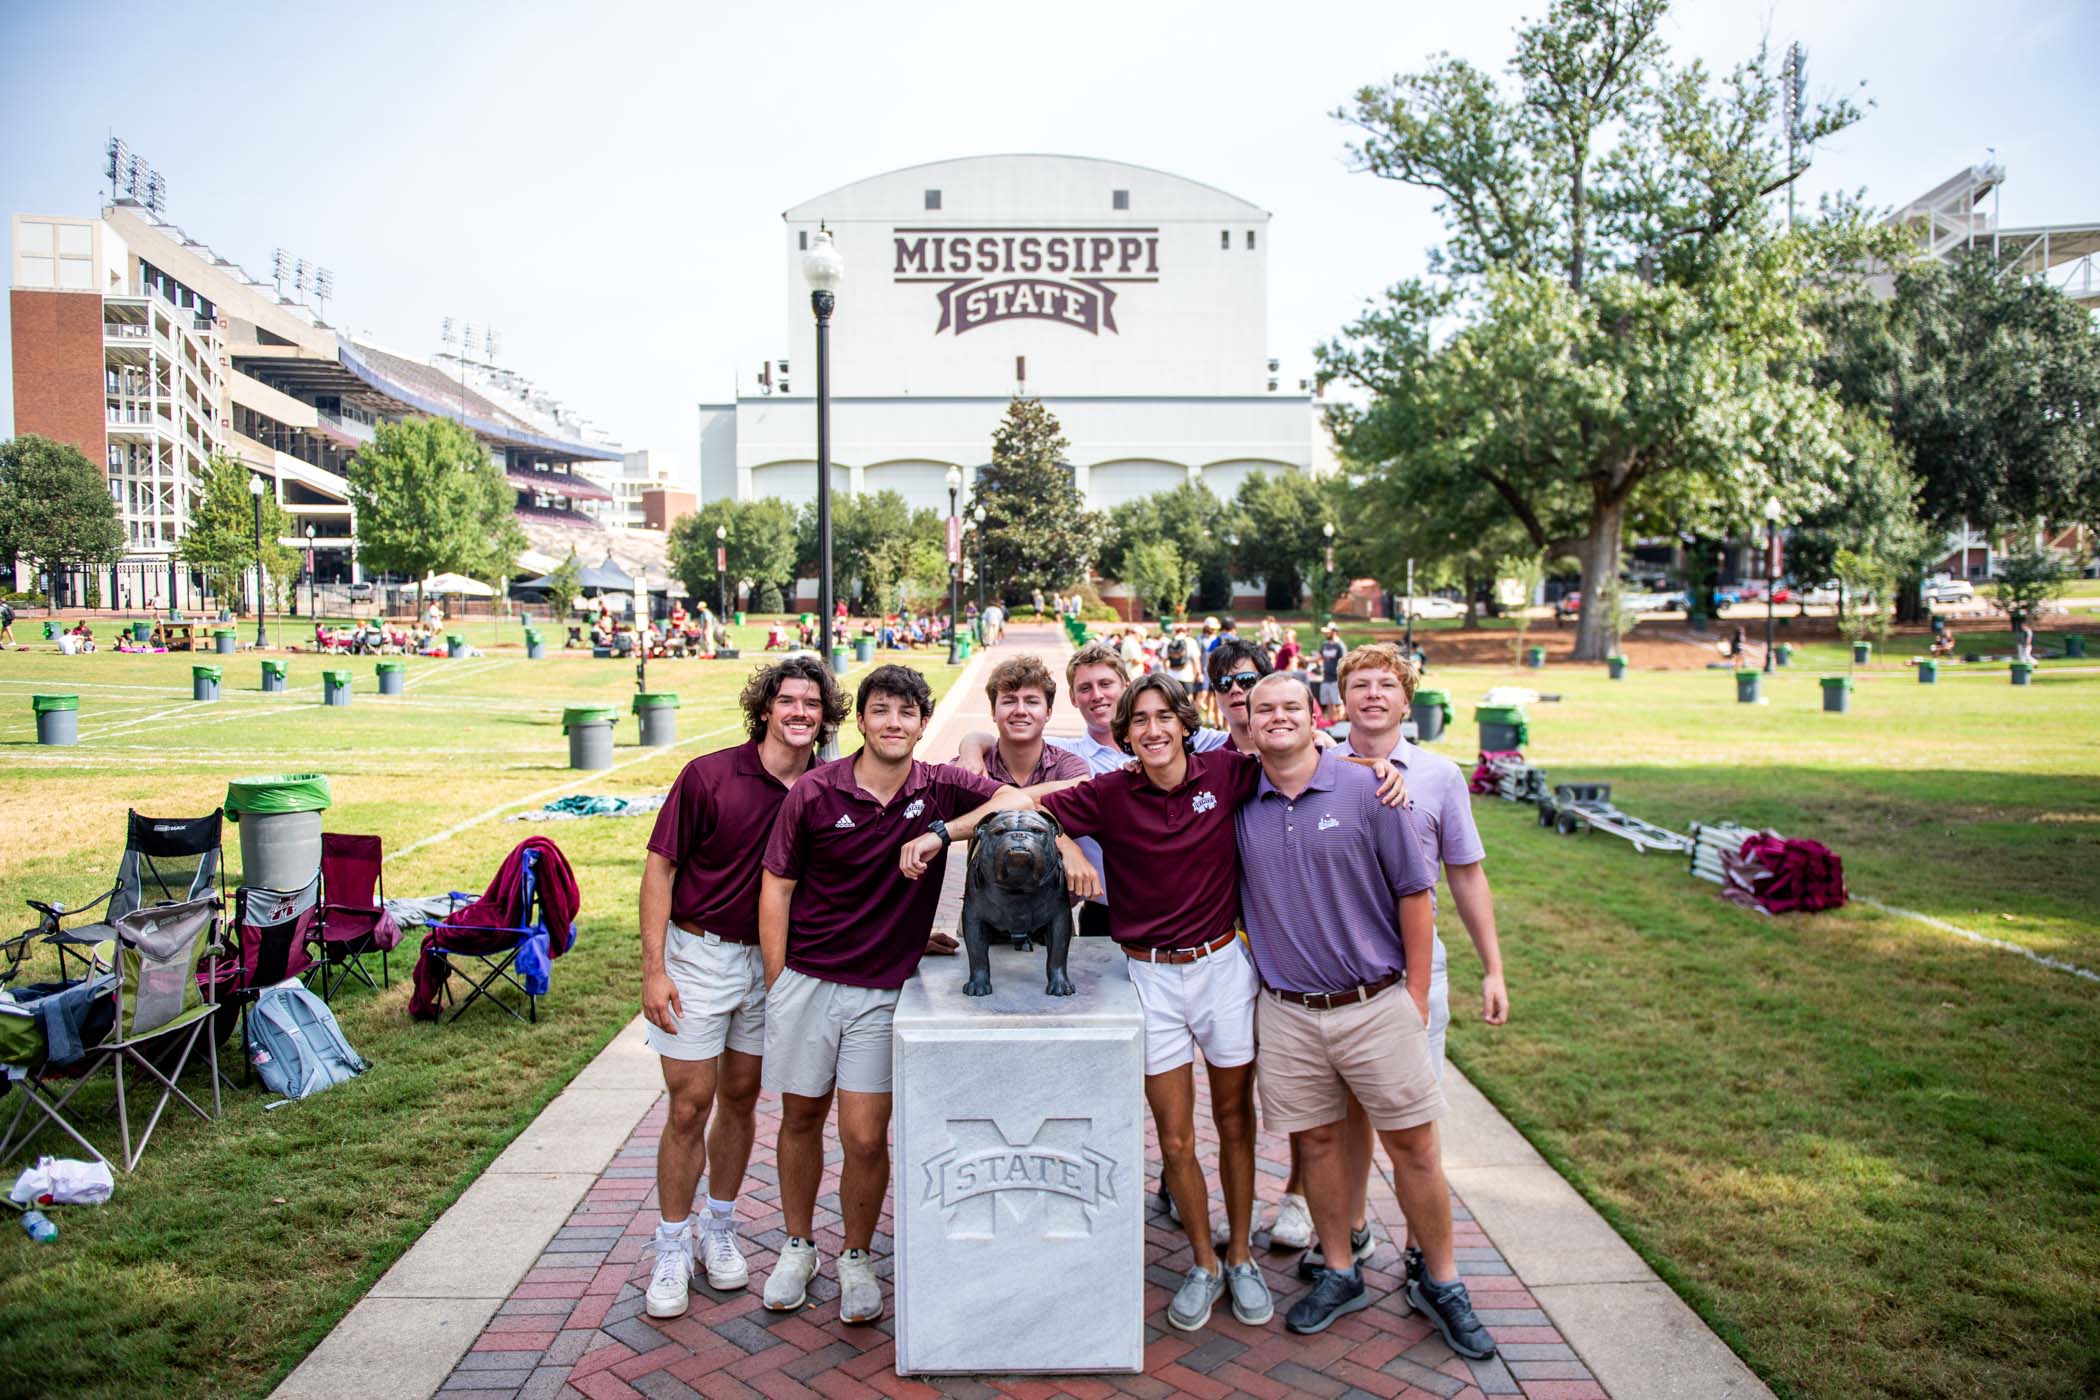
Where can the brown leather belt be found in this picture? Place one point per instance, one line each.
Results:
(1179, 955)
(1327, 1001)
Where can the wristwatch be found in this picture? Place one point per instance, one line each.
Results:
(939, 828)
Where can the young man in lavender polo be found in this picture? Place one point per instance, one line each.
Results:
(703, 983)
(841, 931)
(1344, 1008)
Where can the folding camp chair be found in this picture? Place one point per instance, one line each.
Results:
(160, 1007)
(166, 860)
(495, 949)
(353, 919)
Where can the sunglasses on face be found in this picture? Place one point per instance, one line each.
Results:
(1239, 680)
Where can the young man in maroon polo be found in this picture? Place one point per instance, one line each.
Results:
(1022, 693)
(703, 983)
(841, 931)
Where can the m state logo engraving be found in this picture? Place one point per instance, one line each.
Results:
(985, 275)
(1053, 1175)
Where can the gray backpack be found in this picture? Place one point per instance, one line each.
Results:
(295, 1044)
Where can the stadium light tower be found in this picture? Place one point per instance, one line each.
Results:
(825, 270)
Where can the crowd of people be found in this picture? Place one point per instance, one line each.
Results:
(1297, 954)
(681, 633)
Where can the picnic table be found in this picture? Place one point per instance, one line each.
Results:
(180, 636)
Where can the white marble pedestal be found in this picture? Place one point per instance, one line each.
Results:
(1020, 1180)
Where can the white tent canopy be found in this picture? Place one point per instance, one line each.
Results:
(458, 584)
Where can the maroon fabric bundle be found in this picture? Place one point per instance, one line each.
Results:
(490, 923)
(1784, 876)
(1483, 780)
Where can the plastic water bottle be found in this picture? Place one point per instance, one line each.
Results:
(39, 1227)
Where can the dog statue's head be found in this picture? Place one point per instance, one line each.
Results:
(1017, 848)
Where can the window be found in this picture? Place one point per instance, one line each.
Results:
(1122, 199)
(1250, 240)
(933, 199)
(803, 240)
(1225, 239)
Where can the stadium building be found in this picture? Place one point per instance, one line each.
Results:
(1133, 302)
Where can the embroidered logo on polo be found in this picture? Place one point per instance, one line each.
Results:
(1052, 1176)
(918, 805)
(844, 823)
(1203, 801)
(1329, 823)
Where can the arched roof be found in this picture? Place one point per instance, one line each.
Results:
(893, 189)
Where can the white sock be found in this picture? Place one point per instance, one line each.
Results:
(721, 1209)
(667, 1230)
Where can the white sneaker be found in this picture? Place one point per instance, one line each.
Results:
(671, 1282)
(721, 1256)
(1293, 1227)
(860, 1296)
(787, 1287)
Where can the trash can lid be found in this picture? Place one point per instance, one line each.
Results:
(44, 704)
(275, 668)
(1432, 697)
(1499, 714)
(655, 700)
(1618, 656)
(336, 676)
(574, 715)
(224, 632)
(388, 666)
(532, 634)
(1837, 682)
(272, 794)
(455, 637)
(205, 673)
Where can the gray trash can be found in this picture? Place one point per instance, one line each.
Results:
(1617, 666)
(657, 713)
(335, 688)
(204, 682)
(279, 817)
(1928, 672)
(589, 728)
(224, 641)
(1431, 711)
(1535, 657)
(273, 679)
(57, 718)
(455, 644)
(535, 645)
(1862, 653)
(864, 649)
(2022, 673)
(2074, 644)
(393, 677)
(1749, 687)
(1837, 694)
(1502, 727)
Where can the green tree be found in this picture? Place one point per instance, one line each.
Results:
(1865, 582)
(55, 507)
(1038, 532)
(1630, 350)
(1870, 507)
(877, 540)
(760, 545)
(565, 585)
(220, 541)
(1159, 578)
(2030, 575)
(429, 499)
(1277, 521)
(1194, 521)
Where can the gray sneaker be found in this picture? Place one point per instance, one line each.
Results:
(860, 1296)
(1198, 1294)
(1249, 1291)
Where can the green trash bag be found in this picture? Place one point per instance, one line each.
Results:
(272, 794)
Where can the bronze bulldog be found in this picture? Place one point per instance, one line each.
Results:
(1016, 887)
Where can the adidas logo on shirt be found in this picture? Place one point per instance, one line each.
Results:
(844, 823)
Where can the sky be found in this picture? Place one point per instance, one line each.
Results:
(603, 183)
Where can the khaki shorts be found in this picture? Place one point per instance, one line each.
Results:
(821, 1035)
(721, 997)
(1312, 1060)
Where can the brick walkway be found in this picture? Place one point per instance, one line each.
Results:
(575, 1326)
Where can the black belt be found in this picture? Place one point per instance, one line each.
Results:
(1327, 1001)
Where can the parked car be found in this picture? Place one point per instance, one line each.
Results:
(1432, 609)
(1823, 595)
(362, 592)
(1949, 592)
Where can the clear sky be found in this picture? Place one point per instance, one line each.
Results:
(603, 182)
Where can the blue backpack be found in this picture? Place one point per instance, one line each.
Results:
(295, 1044)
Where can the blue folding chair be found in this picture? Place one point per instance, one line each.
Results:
(504, 954)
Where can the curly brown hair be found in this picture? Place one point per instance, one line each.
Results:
(1021, 673)
(764, 688)
(1178, 702)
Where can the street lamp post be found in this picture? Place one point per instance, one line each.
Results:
(824, 269)
(954, 569)
(313, 605)
(256, 489)
(978, 516)
(1328, 531)
(1771, 571)
(722, 578)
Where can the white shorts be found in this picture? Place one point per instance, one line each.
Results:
(823, 1035)
(1206, 1004)
(721, 995)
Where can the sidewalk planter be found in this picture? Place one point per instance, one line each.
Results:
(657, 714)
(1617, 666)
(1749, 687)
(1502, 727)
(1431, 711)
(335, 688)
(535, 645)
(224, 640)
(1535, 657)
(2022, 673)
(279, 815)
(273, 677)
(1785, 652)
(393, 677)
(1837, 693)
(1928, 672)
(204, 682)
(1862, 653)
(142, 631)
(455, 645)
(2074, 644)
(589, 728)
(57, 718)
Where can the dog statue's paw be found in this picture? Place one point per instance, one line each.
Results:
(979, 985)
(1060, 985)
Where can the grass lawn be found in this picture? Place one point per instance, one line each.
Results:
(237, 1244)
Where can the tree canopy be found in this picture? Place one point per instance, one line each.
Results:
(1038, 532)
(430, 500)
(55, 506)
(1192, 519)
(220, 542)
(760, 546)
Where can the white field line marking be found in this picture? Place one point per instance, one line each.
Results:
(1944, 927)
(595, 776)
(463, 670)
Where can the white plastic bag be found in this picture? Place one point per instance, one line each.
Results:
(61, 1181)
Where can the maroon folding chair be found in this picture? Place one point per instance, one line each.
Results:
(353, 919)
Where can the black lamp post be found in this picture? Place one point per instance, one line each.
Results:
(1328, 583)
(954, 570)
(722, 578)
(256, 489)
(978, 516)
(1771, 572)
(313, 605)
(824, 269)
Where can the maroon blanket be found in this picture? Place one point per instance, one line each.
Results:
(500, 911)
(1784, 876)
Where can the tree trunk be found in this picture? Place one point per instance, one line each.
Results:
(1597, 635)
(1472, 622)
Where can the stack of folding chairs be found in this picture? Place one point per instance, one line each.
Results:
(1503, 773)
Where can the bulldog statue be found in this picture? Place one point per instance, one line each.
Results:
(1016, 889)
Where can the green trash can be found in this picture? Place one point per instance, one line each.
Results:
(657, 713)
(1749, 687)
(589, 728)
(2022, 673)
(864, 649)
(57, 718)
(335, 687)
(455, 644)
(1431, 711)
(393, 677)
(2074, 644)
(1928, 672)
(839, 662)
(224, 640)
(50, 631)
(279, 815)
(740, 619)
(204, 682)
(1535, 657)
(1837, 694)
(1785, 653)
(142, 631)
(272, 677)
(535, 644)
(1862, 653)
(1502, 727)
(1617, 666)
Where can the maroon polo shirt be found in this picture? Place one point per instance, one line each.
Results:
(706, 830)
(1054, 766)
(856, 919)
(1173, 859)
